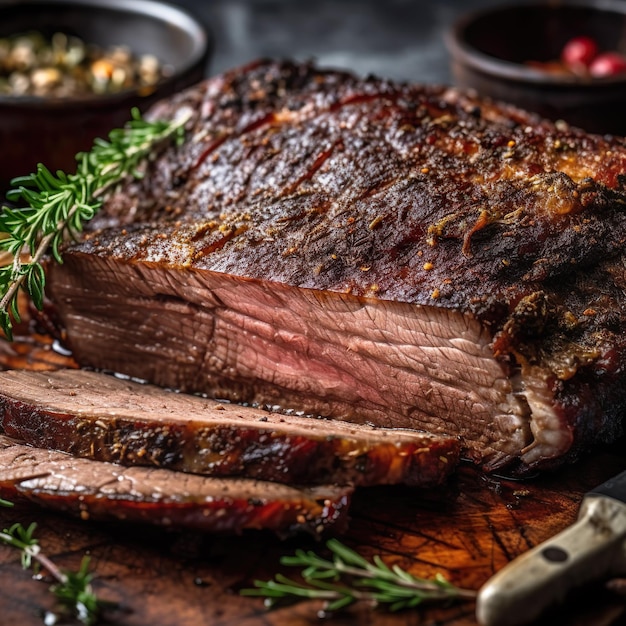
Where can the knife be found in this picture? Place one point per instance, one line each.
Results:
(591, 549)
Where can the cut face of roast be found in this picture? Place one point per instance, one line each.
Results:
(106, 491)
(100, 417)
(395, 365)
(380, 253)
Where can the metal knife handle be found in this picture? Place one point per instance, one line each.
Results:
(588, 550)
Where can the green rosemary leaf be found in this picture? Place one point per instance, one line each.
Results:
(341, 603)
(17, 219)
(7, 324)
(410, 603)
(46, 181)
(385, 586)
(312, 572)
(442, 581)
(35, 280)
(280, 587)
(6, 503)
(14, 311)
(77, 596)
(22, 538)
(346, 555)
(14, 194)
(382, 566)
(27, 533)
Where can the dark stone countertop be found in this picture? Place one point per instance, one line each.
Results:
(399, 39)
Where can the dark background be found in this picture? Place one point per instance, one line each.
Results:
(400, 39)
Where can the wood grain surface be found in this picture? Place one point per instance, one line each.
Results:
(466, 530)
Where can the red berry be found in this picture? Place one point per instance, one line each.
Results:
(608, 64)
(579, 51)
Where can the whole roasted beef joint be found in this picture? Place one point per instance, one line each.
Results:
(379, 253)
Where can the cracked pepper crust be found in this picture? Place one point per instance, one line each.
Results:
(385, 191)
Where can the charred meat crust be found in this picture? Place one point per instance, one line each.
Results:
(97, 416)
(393, 193)
(105, 491)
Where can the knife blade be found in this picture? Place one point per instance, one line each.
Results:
(590, 549)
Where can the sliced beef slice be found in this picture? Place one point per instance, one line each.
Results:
(106, 491)
(101, 417)
(375, 252)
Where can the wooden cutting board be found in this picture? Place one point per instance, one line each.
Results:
(466, 530)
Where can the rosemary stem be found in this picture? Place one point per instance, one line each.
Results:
(17, 283)
(50, 567)
(8, 296)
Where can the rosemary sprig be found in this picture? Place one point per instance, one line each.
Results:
(56, 206)
(72, 589)
(349, 578)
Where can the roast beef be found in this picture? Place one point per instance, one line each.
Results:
(98, 490)
(101, 417)
(382, 253)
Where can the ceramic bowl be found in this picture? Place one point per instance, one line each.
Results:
(52, 130)
(496, 51)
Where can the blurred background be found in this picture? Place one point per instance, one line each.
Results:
(400, 39)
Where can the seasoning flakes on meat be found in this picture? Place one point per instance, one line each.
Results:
(369, 251)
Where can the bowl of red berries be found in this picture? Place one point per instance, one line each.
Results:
(565, 60)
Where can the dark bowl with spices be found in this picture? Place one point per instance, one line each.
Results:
(72, 70)
(565, 60)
